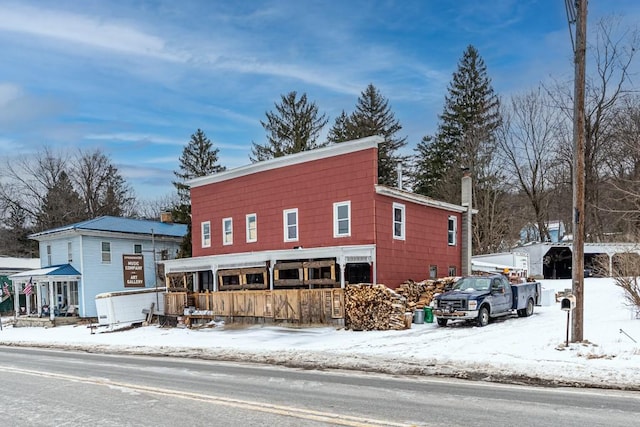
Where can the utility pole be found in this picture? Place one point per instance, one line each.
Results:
(577, 266)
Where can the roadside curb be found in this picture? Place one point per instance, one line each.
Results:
(323, 361)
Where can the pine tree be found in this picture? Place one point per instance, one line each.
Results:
(466, 138)
(62, 205)
(466, 133)
(373, 116)
(294, 126)
(198, 159)
(339, 131)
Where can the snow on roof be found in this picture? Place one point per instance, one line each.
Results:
(17, 264)
(120, 225)
(53, 270)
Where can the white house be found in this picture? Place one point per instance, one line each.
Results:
(104, 254)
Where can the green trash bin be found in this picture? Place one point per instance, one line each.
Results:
(428, 315)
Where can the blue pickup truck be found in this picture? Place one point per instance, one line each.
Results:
(481, 298)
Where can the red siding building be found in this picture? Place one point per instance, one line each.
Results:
(317, 218)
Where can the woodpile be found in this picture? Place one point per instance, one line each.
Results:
(374, 308)
(379, 308)
(420, 294)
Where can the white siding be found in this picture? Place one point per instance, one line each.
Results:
(98, 277)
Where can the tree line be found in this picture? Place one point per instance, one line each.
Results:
(517, 150)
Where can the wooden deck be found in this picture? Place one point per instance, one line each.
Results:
(294, 306)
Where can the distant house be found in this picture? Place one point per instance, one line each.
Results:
(530, 232)
(104, 254)
(9, 266)
(317, 219)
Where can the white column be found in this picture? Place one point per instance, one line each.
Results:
(16, 299)
(38, 286)
(271, 264)
(52, 313)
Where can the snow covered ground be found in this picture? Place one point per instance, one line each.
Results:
(515, 349)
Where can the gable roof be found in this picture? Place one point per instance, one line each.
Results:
(114, 224)
(331, 150)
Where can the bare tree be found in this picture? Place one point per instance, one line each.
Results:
(100, 185)
(38, 191)
(624, 168)
(528, 141)
(152, 209)
(27, 181)
(612, 55)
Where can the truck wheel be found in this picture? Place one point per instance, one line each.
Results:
(442, 322)
(483, 316)
(528, 310)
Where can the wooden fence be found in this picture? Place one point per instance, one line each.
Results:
(303, 306)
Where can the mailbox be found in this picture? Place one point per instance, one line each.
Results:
(568, 303)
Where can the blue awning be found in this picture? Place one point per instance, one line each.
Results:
(43, 274)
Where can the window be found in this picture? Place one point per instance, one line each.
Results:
(137, 248)
(252, 228)
(453, 271)
(452, 227)
(227, 231)
(106, 253)
(290, 225)
(73, 293)
(69, 252)
(398, 221)
(206, 234)
(433, 272)
(49, 255)
(342, 219)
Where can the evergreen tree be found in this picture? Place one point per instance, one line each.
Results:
(294, 126)
(373, 116)
(198, 159)
(339, 132)
(62, 205)
(466, 134)
(466, 138)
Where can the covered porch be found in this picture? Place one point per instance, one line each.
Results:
(50, 292)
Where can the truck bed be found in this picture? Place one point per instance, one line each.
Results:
(523, 291)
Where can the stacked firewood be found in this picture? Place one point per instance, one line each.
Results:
(420, 294)
(377, 307)
(374, 307)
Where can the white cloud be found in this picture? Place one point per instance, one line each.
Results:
(135, 137)
(80, 29)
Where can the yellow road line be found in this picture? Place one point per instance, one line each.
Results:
(289, 411)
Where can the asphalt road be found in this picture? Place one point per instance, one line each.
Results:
(51, 387)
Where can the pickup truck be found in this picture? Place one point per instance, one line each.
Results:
(480, 298)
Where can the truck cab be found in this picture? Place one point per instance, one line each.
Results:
(480, 298)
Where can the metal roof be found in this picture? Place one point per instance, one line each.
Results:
(52, 270)
(120, 225)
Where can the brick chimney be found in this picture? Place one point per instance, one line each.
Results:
(166, 217)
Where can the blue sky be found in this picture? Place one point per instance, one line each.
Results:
(137, 78)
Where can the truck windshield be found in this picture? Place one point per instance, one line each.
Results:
(472, 284)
